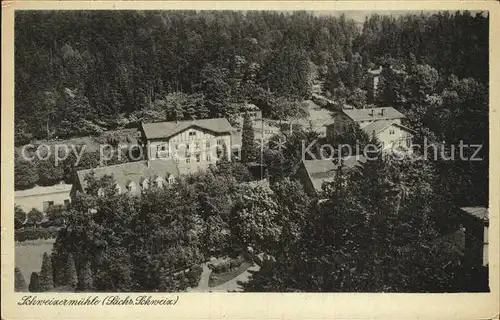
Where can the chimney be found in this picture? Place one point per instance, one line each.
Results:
(381, 112)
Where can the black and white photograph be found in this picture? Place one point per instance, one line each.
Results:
(289, 151)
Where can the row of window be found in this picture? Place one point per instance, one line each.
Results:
(197, 145)
(131, 187)
(49, 204)
(197, 158)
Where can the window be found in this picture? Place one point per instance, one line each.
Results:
(192, 133)
(208, 144)
(198, 158)
(131, 187)
(209, 158)
(171, 179)
(391, 131)
(47, 205)
(145, 184)
(66, 203)
(100, 192)
(187, 146)
(408, 142)
(220, 142)
(176, 147)
(197, 145)
(188, 160)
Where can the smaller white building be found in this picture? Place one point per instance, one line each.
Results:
(383, 123)
(42, 198)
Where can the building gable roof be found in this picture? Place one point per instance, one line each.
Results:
(385, 113)
(167, 129)
(136, 172)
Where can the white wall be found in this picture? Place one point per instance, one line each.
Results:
(393, 135)
(178, 145)
(28, 202)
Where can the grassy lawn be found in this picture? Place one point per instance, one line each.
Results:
(29, 256)
(220, 278)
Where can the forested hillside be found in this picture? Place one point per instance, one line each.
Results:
(83, 72)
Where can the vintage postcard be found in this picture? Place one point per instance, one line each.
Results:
(250, 160)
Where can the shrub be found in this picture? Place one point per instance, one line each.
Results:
(34, 282)
(46, 279)
(194, 275)
(227, 265)
(19, 217)
(35, 216)
(19, 282)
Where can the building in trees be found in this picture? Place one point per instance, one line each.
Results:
(131, 177)
(373, 79)
(193, 144)
(383, 123)
(253, 112)
(314, 173)
(476, 223)
(42, 198)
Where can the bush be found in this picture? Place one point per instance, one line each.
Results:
(227, 265)
(194, 275)
(34, 282)
(19, 282)
(26, 234)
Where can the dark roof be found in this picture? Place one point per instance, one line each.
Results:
(321, 171)
(167, 129)
(40, 190)
(478, 212)
(135, 172)
(366, 114)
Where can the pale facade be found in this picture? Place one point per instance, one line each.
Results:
(395, 136)
(42, 198)
(383, 123)
(193, 147)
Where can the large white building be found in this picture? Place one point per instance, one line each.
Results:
(193, 144)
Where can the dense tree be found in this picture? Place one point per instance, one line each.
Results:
(249, 152)
(86, 281)
(19, 282)
(384, 237)
(25, 174)
(49, 173)
(256, 217)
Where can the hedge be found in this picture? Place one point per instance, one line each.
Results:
(31, 233)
